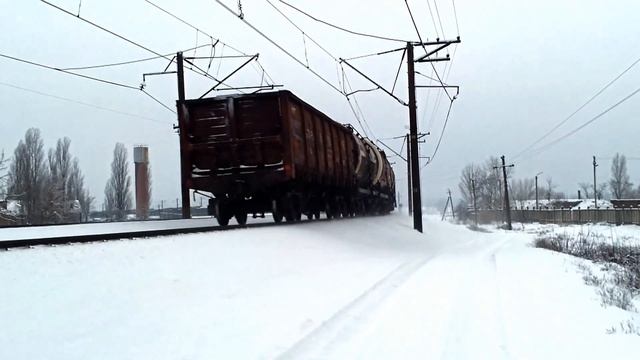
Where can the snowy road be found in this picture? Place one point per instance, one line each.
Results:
(352, 289)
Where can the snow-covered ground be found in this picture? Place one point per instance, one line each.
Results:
(367, 288)
(601, 232)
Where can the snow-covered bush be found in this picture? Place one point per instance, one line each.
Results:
(619, 260)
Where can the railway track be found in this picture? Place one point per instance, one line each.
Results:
(131, 234)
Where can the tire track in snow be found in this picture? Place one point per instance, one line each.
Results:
(346, 322)
(476, 329)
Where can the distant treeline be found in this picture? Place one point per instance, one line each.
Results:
(489, 186)
(45, 187)
(38, 187)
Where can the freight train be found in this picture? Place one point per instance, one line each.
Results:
(273, 153)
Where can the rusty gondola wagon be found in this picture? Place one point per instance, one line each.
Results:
(273, 152)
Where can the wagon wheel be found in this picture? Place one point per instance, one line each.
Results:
(296, 209)
(276, 211)
(241, 217)
(288, 207)
(222, 214)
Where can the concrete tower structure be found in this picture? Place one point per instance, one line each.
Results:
(143, 190)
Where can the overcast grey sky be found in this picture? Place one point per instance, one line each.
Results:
(523, 66)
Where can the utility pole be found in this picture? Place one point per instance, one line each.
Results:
(185, 165)
(537, 205)
(475, 208)
(444, 211)
(413, 160)
(413, 143)
(446, 206)
(409, 188)
(507, 206)
(595, 190)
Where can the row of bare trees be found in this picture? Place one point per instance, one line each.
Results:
(50, 188)
(486, 179)
(489, 188)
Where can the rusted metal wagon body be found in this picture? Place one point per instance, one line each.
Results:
(272, 152)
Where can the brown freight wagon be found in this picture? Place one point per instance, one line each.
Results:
(272, 152)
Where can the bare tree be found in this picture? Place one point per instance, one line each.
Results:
(27, 175)
(3, 175)
(57, 203)
(487, 181)
(523, 189)
(470, 172)
(118, 189)
(620, 185)
(586, 189)
(550, 187)
(602, 190)
(491, 187)
(77, 191)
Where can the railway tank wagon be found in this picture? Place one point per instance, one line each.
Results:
(272, 152)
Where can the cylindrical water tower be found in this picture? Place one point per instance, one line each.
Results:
(141, 161)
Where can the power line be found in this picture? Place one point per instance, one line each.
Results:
(433, 19)
(455, 14)
(398, 72)
(158, 101)
(376, 53)
(577, 110)
(427, 77)
(425, 49)
(340, 27)
(444, 127)
(587, 122)
(68, 72)
(368, 133)
(106, 30)
(278, 46)
(447, 71)
(123, 38)
(131, 61)
(304, 34)
(435, 3)
(206, 34)
(109, 82)
(351, 92)
(80, 102)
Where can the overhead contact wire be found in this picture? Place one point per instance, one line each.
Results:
(340, 27)
(278, 46)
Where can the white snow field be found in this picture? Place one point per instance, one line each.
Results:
(366, 288)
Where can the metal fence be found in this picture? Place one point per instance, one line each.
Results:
(613, 216)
